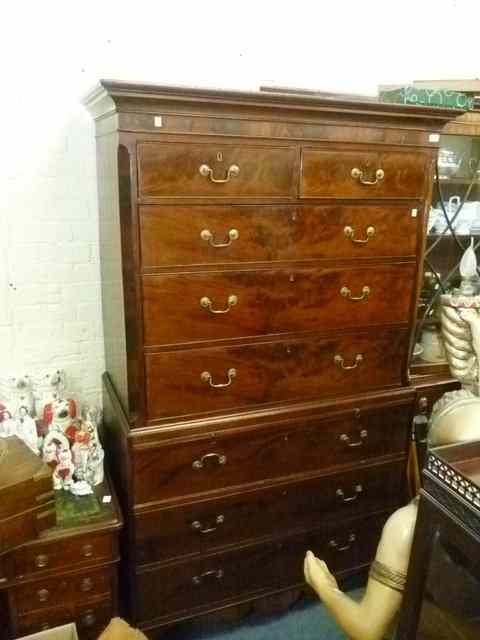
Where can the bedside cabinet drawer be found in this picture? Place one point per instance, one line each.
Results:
(363, 173)
(62, 590)
(213, 234)
(172, 169)
(222, 379)
(62, 554)
(235, 304)
(89, 619)
(204, 526)
(256, 570)
(165, 472)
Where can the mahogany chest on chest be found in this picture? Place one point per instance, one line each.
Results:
(260, 265)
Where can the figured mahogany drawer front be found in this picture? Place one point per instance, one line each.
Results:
(263, 568)
(215, 170)
(204, 526)
(197, 381)
(362, 173)
(181, 235)
(44, 556)
(26, 526)
(90, 619)
(28, 495)
(270, 452)
(44, 594)
(233, 304)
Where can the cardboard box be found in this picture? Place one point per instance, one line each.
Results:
(65, 632)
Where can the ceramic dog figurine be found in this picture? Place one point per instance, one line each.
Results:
(59, 415)
(16, 391)
(48, 387)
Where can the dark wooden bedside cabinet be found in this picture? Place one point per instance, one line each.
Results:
(69, 573)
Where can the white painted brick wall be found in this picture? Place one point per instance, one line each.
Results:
(52, 53)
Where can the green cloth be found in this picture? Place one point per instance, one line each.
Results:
(429, 97)
(74, 510)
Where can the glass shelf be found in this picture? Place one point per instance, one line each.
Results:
(453, 220)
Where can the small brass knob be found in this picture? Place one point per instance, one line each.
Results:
(86, 585)
(41, 561)
(43, 595)
(89, 619)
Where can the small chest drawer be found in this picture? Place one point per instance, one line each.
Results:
(42, 556)
(278, 450)
(258, 569)
(235, 304)
(66, 590)
(215, 170)
(347, 173)
(204, 526)
(181, 235)
(207, 380)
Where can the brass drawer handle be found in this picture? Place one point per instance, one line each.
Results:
(215, 573)
(345, 547)
(358, 489)
(206, 303)
(341, 362)
(206, 376)
(87, 550)
(86, 585)
(43, 595)
(349, 233)
(41, 561)
(232, 172)
(357, 443)
(207, 235)
(89, 619)
(198, 526)
(219, 459)
(346, 293)
(358, 174)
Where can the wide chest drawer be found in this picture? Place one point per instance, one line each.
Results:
(171, 169)
(363, 173)
(181, 235)
(234, 304)
(197, 381)
(206, 525)
(260, 569)
(218, 462)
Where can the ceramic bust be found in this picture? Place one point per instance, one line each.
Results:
(455, 418)
(8, 426)
(26, 429)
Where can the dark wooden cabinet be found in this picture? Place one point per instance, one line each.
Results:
(441, 594)
(69, 573)
(260, 265)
